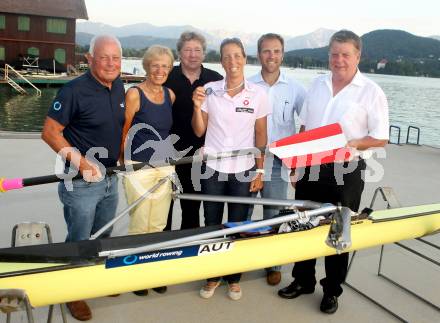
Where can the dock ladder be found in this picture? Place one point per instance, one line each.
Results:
(394, 128)
(9, 70)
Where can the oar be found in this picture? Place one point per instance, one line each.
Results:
(17, 183)
(313, 147)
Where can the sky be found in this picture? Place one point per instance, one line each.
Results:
(286, 17)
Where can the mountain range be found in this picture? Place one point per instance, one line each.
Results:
(141, 35)
(387, 43)
(135, 42)
(378, 44)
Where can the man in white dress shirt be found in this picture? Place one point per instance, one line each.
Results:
(359, 105)
(286, 97)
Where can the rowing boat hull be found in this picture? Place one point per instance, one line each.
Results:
(59, 286)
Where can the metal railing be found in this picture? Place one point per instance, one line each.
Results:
(398, 134)
(71, 70)
(10, 70)
(408, 133)
(391, 200)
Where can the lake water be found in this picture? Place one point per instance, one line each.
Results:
(413, 101)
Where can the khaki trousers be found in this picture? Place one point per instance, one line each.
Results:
(151, 214)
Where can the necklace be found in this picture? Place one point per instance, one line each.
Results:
(221, 92)
(234, 88)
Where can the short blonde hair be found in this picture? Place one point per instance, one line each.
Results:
(154, 52)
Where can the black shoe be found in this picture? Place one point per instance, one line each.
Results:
(142, 292)
(160, 290)
(294, 290)
(329, 304)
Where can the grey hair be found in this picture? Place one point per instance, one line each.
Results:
(98, 38)
(190, 35)
(346, 36)
(235, 41)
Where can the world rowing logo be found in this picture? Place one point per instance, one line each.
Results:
(130, 260)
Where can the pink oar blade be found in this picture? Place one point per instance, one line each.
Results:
(10, 184)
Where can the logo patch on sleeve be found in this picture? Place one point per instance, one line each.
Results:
(57, 106)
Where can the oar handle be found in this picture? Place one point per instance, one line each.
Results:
(17, 183)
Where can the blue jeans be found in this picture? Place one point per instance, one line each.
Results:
(89, 206)
(226, 184)
(275, 186)
(229, 185)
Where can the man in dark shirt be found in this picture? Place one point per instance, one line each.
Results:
(183, 79)
(84, 126)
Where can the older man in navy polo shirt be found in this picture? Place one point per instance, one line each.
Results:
(84, 126)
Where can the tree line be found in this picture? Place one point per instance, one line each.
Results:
(406, 67)
(212, 56)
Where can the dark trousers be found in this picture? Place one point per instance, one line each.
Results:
(190, 209)
(226, 184)
(329, 189)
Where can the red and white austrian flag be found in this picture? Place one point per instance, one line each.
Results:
(318, 146)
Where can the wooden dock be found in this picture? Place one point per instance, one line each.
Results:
(128, 78)
(60, 80)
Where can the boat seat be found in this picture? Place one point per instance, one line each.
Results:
(30, 233)
(26, 234)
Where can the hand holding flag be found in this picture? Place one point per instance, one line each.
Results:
(318, 146)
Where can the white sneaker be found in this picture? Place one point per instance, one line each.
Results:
(208, 290)
(234, 291)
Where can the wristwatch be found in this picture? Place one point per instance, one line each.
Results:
(260, 171)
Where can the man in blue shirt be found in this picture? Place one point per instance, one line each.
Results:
(286, 97)
(84, 126)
